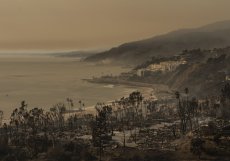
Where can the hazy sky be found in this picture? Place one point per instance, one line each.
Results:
(98, 24)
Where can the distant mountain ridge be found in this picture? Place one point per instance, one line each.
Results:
(216, 35)
(75, 54)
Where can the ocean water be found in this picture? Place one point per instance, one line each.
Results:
(43, 81)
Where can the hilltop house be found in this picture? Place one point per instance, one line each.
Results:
(164, 67)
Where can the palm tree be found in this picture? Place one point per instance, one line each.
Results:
(83, 106)
(70, 104)
(80, 104)
(23, 105)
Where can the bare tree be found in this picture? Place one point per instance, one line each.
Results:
(1, 117)
(101, 128)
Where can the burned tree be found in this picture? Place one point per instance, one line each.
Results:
(101, 130)
(196, 146)
(225, 101)
(187, 111)
(1, 117)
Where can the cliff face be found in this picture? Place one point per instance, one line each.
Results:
(203, 77)
(207, 37)
(204, 71)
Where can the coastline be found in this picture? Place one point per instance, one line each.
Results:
(158, 89)
(146, 92)
(119, 82)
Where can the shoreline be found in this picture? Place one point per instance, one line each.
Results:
(157, 88)
(152, 90)
(91, 109)
(120, 82)
(146, 92)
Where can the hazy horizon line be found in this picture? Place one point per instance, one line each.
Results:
(50, 51)
(97, 49)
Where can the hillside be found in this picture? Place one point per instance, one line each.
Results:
(204, 71)
(215, 35)
(74, 54)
